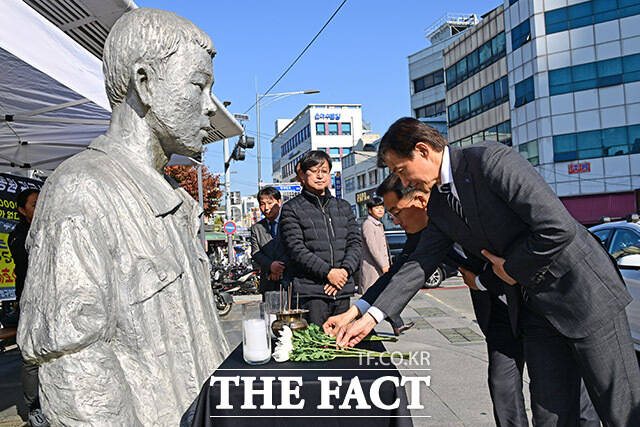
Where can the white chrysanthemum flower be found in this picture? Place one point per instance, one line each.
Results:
(284, 346)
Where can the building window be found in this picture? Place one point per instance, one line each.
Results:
(347, 160)
(598, 143)
(373, 177)
(362, 181)
(346, 128)
(486, 98)
(588, 13)
(333, 128)
(430, 80)
(346, 151)
(335, 154)
(431, 110)
(520, 35)
(296, 140)
(524, 92)
(350, 185)
(595, 74)
(320, 129)
(479, 59)
(530, 152)
(500, 133)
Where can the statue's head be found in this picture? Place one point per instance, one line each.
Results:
(161, 65)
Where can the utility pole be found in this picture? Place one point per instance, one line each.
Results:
(258, 141)
(227, 196)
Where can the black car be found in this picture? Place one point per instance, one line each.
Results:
(396, 239)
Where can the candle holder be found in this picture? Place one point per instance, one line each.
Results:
(288, 316)
(256, 342)
(291, 318)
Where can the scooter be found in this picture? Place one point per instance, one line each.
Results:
(247, 284)
(222, 299)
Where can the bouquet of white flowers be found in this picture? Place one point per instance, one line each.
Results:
(313, 345)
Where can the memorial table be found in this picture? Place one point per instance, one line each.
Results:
(348, 369)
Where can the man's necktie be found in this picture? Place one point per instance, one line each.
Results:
(452, 200)
(272, 229)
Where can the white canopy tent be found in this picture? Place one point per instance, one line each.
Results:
(52, 97)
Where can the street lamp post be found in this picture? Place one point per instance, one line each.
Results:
(276, 96)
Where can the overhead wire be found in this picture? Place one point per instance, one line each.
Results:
(301, 53)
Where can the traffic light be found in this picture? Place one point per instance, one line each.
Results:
(246, 142)
(238, 153)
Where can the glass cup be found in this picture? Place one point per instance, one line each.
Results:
(256, 342)
(272, 302)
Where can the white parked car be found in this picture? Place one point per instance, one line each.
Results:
(622, 240)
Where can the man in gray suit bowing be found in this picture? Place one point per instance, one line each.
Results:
(267, 251)
(491, 200)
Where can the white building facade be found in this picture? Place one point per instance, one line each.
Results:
(574, 83)
(335, 128)
(426, 70)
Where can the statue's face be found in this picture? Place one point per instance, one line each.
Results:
(182, 105)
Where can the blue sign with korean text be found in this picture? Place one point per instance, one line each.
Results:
(288, 187)
(327, 116)
(338, 185)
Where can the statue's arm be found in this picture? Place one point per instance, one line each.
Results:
(69, 296)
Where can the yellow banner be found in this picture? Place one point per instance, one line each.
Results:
(7, 275)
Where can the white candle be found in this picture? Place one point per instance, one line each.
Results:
(256, 346)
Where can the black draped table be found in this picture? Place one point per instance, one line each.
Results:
(348, 369)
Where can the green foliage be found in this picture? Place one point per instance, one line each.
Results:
(313, 345)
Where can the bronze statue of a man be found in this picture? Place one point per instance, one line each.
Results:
(117, 307)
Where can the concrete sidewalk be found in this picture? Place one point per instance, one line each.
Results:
(445, 328)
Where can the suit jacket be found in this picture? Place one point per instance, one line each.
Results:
(512, 212)
(375, 252)
(486, 304)
(264, 251)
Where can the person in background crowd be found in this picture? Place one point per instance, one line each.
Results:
(322, 241)
(267, 251)
(375, 255)
(375, 251)
(26, 206)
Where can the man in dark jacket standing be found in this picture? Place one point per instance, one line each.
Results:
(267, 252)
(322, 241)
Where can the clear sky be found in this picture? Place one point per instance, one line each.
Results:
(360, 58)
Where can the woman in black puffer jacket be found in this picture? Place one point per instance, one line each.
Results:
(322, 240)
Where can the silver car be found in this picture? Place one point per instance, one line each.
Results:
(622, 240)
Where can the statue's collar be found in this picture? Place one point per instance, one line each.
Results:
(157, 190)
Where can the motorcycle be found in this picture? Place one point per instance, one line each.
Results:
(223, 300)
(227, 281)
(246, 284)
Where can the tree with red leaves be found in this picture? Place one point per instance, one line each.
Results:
(187, 177)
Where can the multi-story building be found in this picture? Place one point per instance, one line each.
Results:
(250, 211)
(426, 70)
(361, 175)
(336, 128)
(574, 81)
(477, 93)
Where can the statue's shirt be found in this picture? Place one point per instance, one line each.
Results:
(118, 285)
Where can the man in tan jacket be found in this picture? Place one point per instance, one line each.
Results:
(375, 252)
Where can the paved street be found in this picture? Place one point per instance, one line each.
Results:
(445, 327)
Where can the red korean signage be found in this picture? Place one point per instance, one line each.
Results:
(579, 168)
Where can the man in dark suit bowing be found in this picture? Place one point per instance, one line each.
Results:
(493, 202)
(267, 251)
(506, 362)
